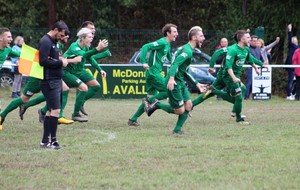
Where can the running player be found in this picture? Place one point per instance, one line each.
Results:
(160, 50)
(236, 57)
(5, 50)
(76, 76)
(179, 96)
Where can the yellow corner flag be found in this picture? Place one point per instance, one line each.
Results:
(29, 62)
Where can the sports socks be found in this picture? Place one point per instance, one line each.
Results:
(159, 96)
(35, 101)
(80, 98)
(64, 100)
(181, 119)
(46, 130)
(11, 106)
(165, 107)
(53, 127)
(138, 112)
(91, 92)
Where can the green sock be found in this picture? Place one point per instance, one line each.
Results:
(200, 99)
(238, 106)
(159, 96)
(11, 106)
(181, 119)
(64, 101)
(224, 95)
(138, 112)
(35, 101)
(91, 91)
(79, 101)
(243, 88)
(165, 107)
(44, 109)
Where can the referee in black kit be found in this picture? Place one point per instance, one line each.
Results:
(51, 85)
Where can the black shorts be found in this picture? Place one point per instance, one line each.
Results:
(52, 90)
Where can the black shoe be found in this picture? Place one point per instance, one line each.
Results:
(19, 94)
(150, 109)
(82, 110)
(133, 123)
(54, 145)
(41, 116)
(22, 111)
(180, 132)
(145, 102)
(44, 145)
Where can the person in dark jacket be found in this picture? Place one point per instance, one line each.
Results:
(51, 85)
(292, 46)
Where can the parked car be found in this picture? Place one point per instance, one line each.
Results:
(201, 74)
(6, 74)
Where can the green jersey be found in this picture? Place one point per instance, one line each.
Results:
(179, 67)
(76, 50)
(235, 59)
(7, 52)
(160, 51)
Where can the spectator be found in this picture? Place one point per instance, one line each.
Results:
(223, 43)
(292, 46)
(296, 61)
(264, 49)
(256, 52)
(16, 89)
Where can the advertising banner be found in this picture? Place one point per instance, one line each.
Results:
(122, 81)
(262, 84)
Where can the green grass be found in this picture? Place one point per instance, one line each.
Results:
(105, 153)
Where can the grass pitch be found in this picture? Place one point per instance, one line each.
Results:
(105, 153)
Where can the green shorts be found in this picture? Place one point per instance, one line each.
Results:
(233, 88)
(219, 83)
(32, 86)
(74, 80)
(178, 95)
(155, 83)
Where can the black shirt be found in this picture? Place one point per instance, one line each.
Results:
(49, 58)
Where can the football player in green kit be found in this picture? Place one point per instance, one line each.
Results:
(160, 51)
(76, 76)
(236, 57)
(219, 84)
(5, 50)
(179, 96)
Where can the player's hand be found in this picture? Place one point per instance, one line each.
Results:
(211, 70)
(65, 62)
(236, 80)
(146, 66)
(102, 44)
(103, 73)
(202, 87)
(257, 70)
(171, 84)
(277, 39)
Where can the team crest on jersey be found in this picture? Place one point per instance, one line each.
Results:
(155, 43)
(183, 54)
(228, 57)
(77, 48)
